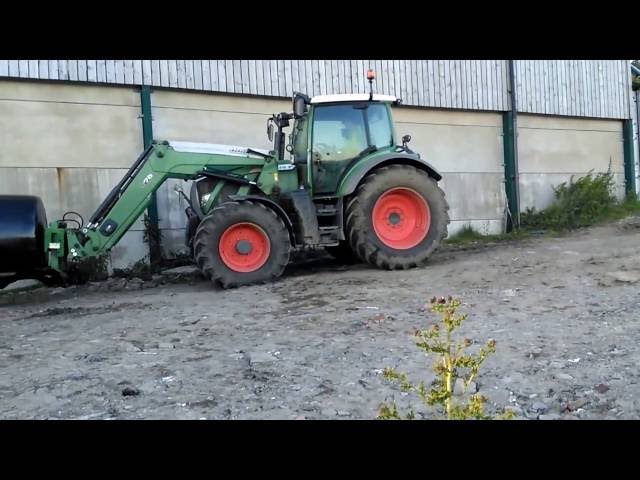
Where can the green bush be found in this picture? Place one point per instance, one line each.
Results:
(580, 203)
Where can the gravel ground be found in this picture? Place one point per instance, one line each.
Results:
(565, 313)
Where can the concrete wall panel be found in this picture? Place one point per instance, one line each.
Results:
(51, 125)
(552, 149)
(452, 141)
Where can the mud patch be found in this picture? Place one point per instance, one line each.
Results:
(72, 312)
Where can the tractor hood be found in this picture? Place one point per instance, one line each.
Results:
(216, 149)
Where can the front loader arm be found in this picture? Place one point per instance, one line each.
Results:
(133, 194)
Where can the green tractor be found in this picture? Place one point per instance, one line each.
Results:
(345, 184)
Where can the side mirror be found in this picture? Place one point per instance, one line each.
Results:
(270, 130)
(406, 139)
(299, 107)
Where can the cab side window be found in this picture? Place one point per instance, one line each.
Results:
(379, 126)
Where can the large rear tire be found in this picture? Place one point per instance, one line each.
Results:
(397, 218)
(242, 243)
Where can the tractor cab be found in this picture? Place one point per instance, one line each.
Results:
(332, 132)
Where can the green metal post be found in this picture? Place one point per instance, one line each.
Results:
(510, 139)
(629, 166)
(510, 171)
(147, 137)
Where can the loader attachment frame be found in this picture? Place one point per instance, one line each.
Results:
(128, 200)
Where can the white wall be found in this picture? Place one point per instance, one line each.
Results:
(70, 144)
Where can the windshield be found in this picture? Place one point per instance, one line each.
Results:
(342, 132)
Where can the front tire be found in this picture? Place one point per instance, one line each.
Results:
(198, 189)
(242, 243)
(397, 218)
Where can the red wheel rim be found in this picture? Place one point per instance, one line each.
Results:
(401, 218)
(244, 247)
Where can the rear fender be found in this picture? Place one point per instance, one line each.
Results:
(357, 172)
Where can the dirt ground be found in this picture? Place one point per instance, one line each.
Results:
(565, 313)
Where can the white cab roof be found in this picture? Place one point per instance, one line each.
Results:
(352, 97)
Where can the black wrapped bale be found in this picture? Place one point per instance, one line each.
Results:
(23, 221)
